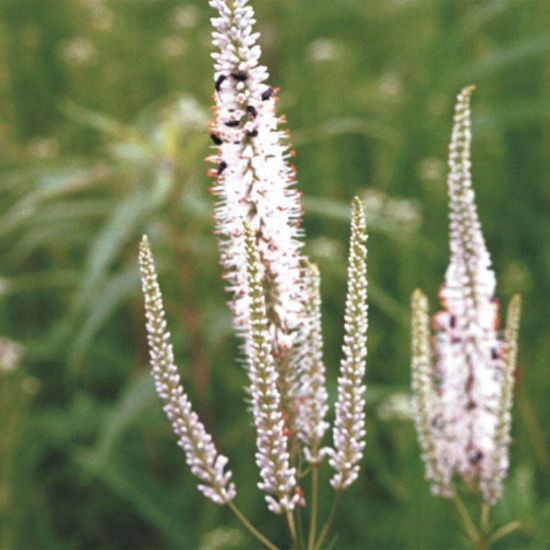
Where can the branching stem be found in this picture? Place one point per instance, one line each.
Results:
(246, 523)
(328, 524)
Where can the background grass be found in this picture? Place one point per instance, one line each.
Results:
(103, 110)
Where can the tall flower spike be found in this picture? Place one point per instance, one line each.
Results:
(469, 422)
(254, 182)
(312, 396)
(272, 456)
(426, 401)
(468, 350)
(200, 452)
(349, 423)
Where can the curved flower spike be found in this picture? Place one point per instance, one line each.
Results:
(272, 456)
(200, 452)
(349, 423)
(467, 429)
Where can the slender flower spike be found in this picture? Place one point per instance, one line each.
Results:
(426, 401)
(491, 485)
(349, 423)
(200, 452)
(272, 456)
(312, 395)
(469, 408)
(254, 182)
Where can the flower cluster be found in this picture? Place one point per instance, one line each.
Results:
(349, 423)
(272, 456)
(254, 182)
(200, 452)
(463, 403)
(312, 396)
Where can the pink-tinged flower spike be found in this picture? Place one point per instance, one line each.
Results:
(272, 456)
(254, 182)
(312, 396)
(200, 452)
(349, 423)
(427, 405)
(468, 351)
(469, 417)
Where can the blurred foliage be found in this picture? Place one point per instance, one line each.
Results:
(104, 109)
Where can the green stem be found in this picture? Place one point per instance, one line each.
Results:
(328, 524)
(246, 523)
(485, 521)
(505, 530)
(292, 529)
(314, 505)
(467, 523)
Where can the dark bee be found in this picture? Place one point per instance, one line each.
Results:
(267, 93)
(251, 111)
(232, 123)
(475, 459)
(452, 321)
(222, 166)
(216, 139)
(239, 76)
(219, 82)
(252, 133)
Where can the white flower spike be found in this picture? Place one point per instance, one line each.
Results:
(312, 396)
(349, 422)
(464, 418)
(200, 452)
(272, 456)
(254, 182)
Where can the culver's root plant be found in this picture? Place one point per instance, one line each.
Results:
(463, 376)
(275, 302)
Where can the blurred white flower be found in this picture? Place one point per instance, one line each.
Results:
(191, 114)
(78, 50)
(390, 85)
(431, 169)
(324, 247)
(10, 354)
(221, 539)
(185, 17)
(404, 213)
(397, 406)
(324, 49)
(173, 46)
(100, 16)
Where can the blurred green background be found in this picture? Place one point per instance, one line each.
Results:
(103, 131)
